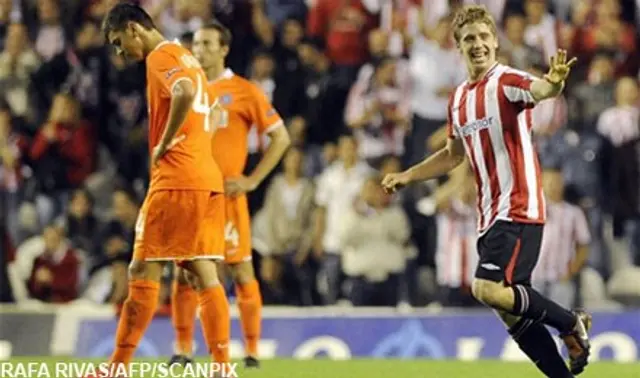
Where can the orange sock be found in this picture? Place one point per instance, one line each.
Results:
(216, 322)
(250, 306)
(137, 313)
(184, 303)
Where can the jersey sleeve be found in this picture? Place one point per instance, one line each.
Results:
(168, 70)
(581, 228)
(516, 86)
(263, 115)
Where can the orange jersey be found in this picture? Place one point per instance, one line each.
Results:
(247, 106)
(188, 165)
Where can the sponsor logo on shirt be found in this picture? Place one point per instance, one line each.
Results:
(475, 126)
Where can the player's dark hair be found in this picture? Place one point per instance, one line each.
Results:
(120, 15)
(223, 32)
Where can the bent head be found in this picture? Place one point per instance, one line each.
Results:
(126, 27)
(211, 44)
(476, 37)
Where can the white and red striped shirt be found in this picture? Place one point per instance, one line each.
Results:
(493, 118)
(456, 254)
(566, 229)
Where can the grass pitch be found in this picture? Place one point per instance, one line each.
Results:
(369, 368)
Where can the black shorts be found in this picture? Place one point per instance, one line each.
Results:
(509, 252)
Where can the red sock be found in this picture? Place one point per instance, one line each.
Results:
(137, 313)
(184, 303)
(216, 322)
(250, 306)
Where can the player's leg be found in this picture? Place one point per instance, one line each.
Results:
(214, 308)
(508, 254)
(138, 308)
(240, 266)
(250, 307)
(184, 304)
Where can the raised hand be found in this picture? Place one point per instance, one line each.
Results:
(559, 68)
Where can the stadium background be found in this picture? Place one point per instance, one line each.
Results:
(74, 167)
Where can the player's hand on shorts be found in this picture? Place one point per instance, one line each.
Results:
(559, 67)
(395, 181)
(239, 185)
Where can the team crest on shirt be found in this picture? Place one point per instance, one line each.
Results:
(225, 99)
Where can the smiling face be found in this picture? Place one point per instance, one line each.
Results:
(478, 44)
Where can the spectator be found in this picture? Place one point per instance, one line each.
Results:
(46, 269)
(378, 113)
(13, 171)
(313, 160)
(177, 17)
(456, 255)
(279, 11)
(344, 28)
(594, 95)
(289, 96)
(6, 258)
(619, 123)
(51, 36)
(287, 215)
(63, 153)
(80, 222)
(337, 188)
(435, 69)
(565, 244)
(17, 62)
(521, 55)
(323, 107)
(542, 28)
(373, 235)
(6, 8)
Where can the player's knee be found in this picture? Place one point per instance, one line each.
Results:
(143, 270)
(243, 272)
(488, 292)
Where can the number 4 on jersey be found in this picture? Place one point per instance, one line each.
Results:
(214, 114)
(231, 234)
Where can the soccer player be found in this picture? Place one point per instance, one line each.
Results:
(246, 106)
(489, 117)
(182, 218)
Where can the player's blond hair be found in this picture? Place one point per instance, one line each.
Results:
(470, 14)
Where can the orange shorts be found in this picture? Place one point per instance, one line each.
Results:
(237, 230)
(180, 225)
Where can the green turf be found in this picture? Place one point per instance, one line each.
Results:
(399, 368)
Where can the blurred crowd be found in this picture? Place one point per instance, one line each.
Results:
(363, 87)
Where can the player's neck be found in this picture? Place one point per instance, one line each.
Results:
(153, 40)
(477, 74)
(215, 71)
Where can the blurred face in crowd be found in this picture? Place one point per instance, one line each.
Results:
(208, 49)
(16, 39)
(348, 149)
(390, 165)
(48, 11)
(627, 91)
(372, 193)
(293, 162)
(553, 184)
(65, 109)
(514, 27)
(608, 10)
(378, 42)
(298, 131)
(263, 66)
(53, 237)
(80, 205)
(123, 208)
(535, 10)
(442, 31)
(6, 6)
(478, 44)
(87, 36)
(308, 54)
(329, 152)
(292, 33)
(386, 72)
(601, 69)
(182, 9)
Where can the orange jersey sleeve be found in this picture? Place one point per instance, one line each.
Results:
(188, 165)
(247, 106)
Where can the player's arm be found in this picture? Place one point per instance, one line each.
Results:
(439, 163)
(265, 117)
(182, 96)
(553, 82)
